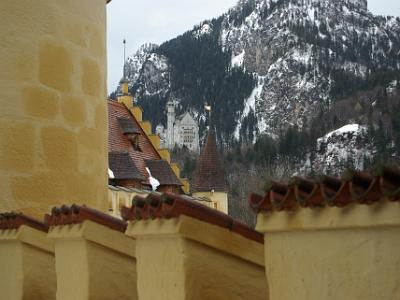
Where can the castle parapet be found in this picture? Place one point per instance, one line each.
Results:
(334, 239)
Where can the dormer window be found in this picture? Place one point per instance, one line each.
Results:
(134, 139)
(131, 131)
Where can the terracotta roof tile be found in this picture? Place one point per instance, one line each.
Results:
(119, 142)
(168, 205)
(127, 126)
(75, 214)
(161, 170)
(15, 221)
(354, 186)
(209, 174)
(123, 167)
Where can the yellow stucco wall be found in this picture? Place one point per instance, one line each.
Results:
(53, 118)
(330, 265)
(219, 200)
(333, 253)
(27, 265)
(119, 197)
(185, 258)
(94, 262)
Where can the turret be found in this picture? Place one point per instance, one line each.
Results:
(170, 122)
(209, 178)
(53, 131)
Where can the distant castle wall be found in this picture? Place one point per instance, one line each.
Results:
(181, 131)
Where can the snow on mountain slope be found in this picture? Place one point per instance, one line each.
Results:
(302, 53)
(148, 71)
(294, 45)
(345, 147)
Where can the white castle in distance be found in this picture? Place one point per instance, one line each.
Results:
(181, 131)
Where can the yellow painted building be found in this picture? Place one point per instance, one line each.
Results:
(53, 118)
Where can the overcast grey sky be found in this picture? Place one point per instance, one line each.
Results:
(156, 21)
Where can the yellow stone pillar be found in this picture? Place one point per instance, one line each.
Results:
(333, 253)
(27, 265)
(53, 118)
(94, 262)
(185, 258)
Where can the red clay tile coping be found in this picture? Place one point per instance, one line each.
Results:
(353, 187)
(168, 205)
(76, 214)
(16, 220)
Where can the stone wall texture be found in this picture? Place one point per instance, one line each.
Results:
(53, 117)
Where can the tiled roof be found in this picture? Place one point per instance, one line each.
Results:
(170, 205)
(353, 187)
(123, 167)
(161, 170)
(15, 221)
(119, 142)
(75, 214)
(209, 174)
(127, 126)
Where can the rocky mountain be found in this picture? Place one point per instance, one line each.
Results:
(292, 70)
(302, 55)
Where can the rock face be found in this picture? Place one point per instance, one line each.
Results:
(345, 147)
(303, 54)
(299, 48)
(148, 72)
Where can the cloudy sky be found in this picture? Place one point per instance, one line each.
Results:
(155, 21)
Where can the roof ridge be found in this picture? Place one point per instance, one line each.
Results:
(353, 187)
(75, 214)
(16, 220)
(169, 205)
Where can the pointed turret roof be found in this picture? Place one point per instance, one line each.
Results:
(210, 174)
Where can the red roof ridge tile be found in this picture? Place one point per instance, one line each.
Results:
(75, 214)
(354, 187)
(168, 205)
(16, 220)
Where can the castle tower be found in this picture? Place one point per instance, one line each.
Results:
(170, 123)
(209, 177)
(53, 116)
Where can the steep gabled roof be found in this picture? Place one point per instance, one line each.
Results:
(161, 170)
(188, 116)
(128, 126)
(120, 124)
(123, 167)
(210, 174)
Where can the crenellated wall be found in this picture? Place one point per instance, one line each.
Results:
(53, 118)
